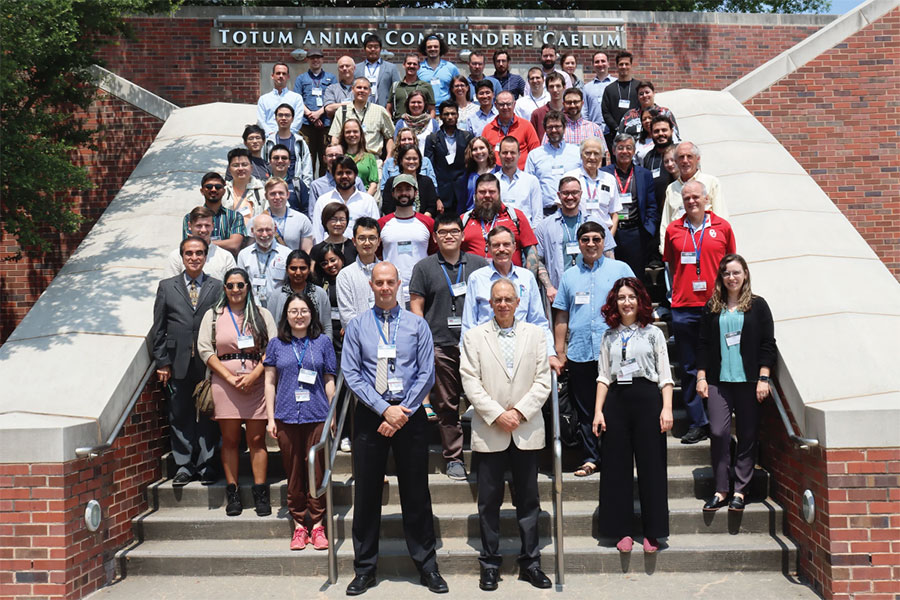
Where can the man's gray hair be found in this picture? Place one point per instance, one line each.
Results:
(505, 281)
(695, 149)
(697, 183)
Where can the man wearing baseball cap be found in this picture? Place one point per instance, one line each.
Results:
(311, 85)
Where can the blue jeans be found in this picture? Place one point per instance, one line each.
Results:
(686, 327)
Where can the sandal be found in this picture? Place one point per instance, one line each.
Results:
(429, 412)
(586, 470)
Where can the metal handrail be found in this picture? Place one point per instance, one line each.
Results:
(802, 442)
(557, 462)
(95, 451)
(326, 443)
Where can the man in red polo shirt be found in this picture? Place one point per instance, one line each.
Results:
(694, 245)
(507, 123)
(489, 212)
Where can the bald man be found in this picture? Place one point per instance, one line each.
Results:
(388, 363)
(341, 91)
(265, 259)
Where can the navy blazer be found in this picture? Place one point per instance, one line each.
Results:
(176, 323)
(642, 186)
(387, 75)
(447, 173)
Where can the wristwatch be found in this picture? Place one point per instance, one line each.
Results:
(764, 378)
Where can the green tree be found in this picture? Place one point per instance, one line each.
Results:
(745, 6)
(46, 50)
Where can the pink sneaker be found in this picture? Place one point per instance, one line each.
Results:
(625, 544)
(300, 539)
(319, 540)
(651, 545)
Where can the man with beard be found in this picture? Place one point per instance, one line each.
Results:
(661, 130)
(548, 64)
(508, 124)
(265, 260)
(326, 183)
(509, 82)
(410, 83)
(490, 212)
(228, 226)
(345, 172)
(435, 69)
(579, 129)
(446, 149)
(552, 159)
(405, 233)
(311, 86)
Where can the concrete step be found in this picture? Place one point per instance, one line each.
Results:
(451, 520)
(683, 481)
(583, 554)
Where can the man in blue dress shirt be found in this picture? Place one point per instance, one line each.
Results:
(435, 70)
(390, 380)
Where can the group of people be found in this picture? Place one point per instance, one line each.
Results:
(420, 263)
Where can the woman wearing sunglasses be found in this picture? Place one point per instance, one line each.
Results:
(232, 342)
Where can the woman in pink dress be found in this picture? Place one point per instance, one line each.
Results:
(232, 342)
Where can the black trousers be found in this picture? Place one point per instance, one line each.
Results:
(631, 248)
(632, 435)
(583, 391)
(370, 452)
(739, 398)
(194, 439)
(490, 468)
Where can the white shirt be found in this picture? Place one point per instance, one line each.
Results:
(218, 261)
(523, 191)
(527, 104)
(293, 227)
(360, 204)
(266, 269)
(405, 242)
(267, 103)
(598, 196)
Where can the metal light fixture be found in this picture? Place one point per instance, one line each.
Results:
(808, 506)
(299, 54)
(93, 514)
(387, 54)
(464, 55)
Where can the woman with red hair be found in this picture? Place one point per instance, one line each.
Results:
(633, 413)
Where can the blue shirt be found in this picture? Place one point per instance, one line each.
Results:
(552, 235)
(496, 84)
(414, 364)
(390, 168)
(477, 309)
(312, 88)
(439, 78)
(511, 83)
(586, 322)
(593, 95)
(319, 357)
(548, 163)
(477, 122)
(265, 109)
(732, 369)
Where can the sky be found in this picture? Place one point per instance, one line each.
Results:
(839, 7)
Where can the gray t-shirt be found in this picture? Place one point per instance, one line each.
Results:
(429, 281)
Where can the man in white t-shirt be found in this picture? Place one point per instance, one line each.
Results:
(405, 233)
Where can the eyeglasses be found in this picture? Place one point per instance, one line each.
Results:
(254, 138)
(590, 240)
(280, 158)
(448, 232)
(237, 285)
(338, 220)
(731, 274)
(503, 104)
(569, 194)
(370, 239)
(295, 312)
(213, 186)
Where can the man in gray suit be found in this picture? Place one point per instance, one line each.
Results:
(181, 302)
(380, 73)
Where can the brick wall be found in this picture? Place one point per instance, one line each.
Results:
(839, 115)
(45, 548)
(852, 549)
(172, 57)
(127, 134)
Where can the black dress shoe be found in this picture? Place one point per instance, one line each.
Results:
(714, 504)
(209, 477)
(360, 584)
(737, 504)
(535, 577)
(182, 479)
(489, 579)
(695, 434)
(434, 582)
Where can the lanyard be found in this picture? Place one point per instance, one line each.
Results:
(372, 72)
(697, 247)
(587, 187)
(396, 329)
(363, 117)
(302, 354)
(570, 233)
(619, 89)
(627, 186)
(625, 341)
(236, 328)
(485, 233)
(279, 230)
(262, 269)
(655, 161)
(459, 275)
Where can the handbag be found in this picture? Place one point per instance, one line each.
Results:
(202, 396)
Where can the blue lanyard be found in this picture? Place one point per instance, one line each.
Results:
(259, 266)
(625, 341)
(570, 234)
(396, 329)
(279, 230)
(450, 285)
(302, 354)
(697, 247)
(236, 328)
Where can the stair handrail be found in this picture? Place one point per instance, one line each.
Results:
(326, 444)
(803, 443)
(557, 460)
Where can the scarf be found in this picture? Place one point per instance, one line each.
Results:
(417, 124)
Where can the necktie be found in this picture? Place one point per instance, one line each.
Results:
(382, 369)
(194, 293)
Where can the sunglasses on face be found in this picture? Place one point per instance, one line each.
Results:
(238, 285)
(213, 186)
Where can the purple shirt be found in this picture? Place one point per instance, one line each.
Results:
(319, 357)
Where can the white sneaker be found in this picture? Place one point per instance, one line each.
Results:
(345, 444)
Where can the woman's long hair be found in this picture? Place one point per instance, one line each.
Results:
(314, 329)
(253, 320)
(321, 277)
(361, 153)
(644, 311)
(719, 300)
(471, 165)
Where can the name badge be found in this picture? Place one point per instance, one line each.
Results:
(335, 314)
(319, 102)
(387, 350)
(244, 210)
(215, 238)
(698, 286)
(624, 102)
(629, 367)
(301, 395)
(395, 385)
(572, 248)
(258, 282)
(733, 338)
(244, 369)
(306, 376)
(316, 91)
(592, 204)
(582, 297)
(245, 341)
(497, 147)
(372, 79)
(625, 198)
(458, 289)
(454, 321)
(557, 169)
(655, 173)
(623, 214)
(689, 258)
(436, 82)
(405, 247)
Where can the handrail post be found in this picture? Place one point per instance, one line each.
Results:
(802, 442)
(329, 516)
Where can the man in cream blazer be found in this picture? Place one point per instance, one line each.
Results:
(506, 376)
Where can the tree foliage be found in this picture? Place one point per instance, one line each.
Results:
(46, 50)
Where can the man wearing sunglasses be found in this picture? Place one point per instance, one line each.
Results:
(228, 226)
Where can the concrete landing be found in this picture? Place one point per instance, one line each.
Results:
(672, 586)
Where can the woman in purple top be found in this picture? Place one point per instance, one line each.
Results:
(300, 368)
